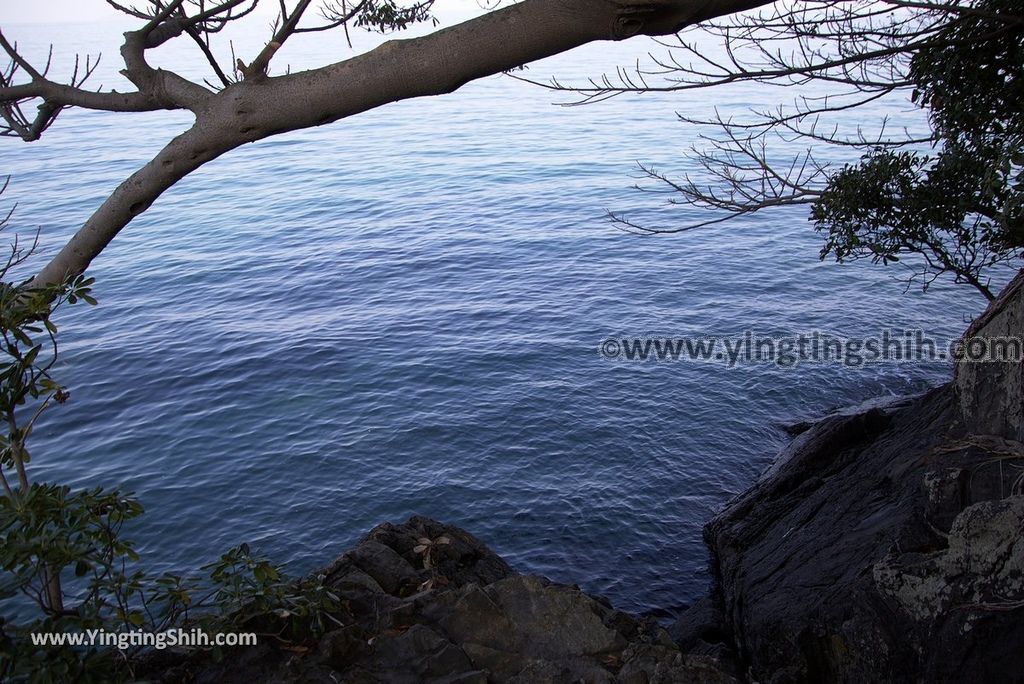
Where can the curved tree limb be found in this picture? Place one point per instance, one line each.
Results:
(260, 106)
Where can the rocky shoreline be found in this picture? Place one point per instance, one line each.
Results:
(882, 545)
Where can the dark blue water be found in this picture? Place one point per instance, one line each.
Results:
(401, 314)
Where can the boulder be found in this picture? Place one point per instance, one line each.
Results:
(881, 545)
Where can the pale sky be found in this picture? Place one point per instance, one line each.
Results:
(47, 11)
(53, 10)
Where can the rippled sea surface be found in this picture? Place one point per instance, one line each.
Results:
(401, 313)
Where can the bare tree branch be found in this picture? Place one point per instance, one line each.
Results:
(261, 105)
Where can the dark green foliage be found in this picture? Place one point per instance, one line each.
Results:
(74, 534)
(973, 85)
(387, 15)
(62, 552)
(242, 592)
(77, 536)
(961, 206)
(253, 594)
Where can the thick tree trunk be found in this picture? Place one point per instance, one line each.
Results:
(181, 156)
(432, 65)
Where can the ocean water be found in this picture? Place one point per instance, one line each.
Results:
(401, 313)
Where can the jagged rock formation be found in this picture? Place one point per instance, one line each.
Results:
(884, 545)
(881, 545)
(429, 602)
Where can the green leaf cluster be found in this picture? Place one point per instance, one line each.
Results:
(960, 205)
(387, 15)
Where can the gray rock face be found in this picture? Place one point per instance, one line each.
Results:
(791, 552)
(880, 546)
(983, 566)
(991, 394)
(884, 544)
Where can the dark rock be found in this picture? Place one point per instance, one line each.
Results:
(798, 428)
(885, 544)
(946, 493)
(794, 553)
(389, 557)
(416, 654)
(523, 628)
(701, 622)
(870, 550)
(524, 613)
(659, 664)
(391, 572)
(981, 566)
(342, 647)
(886, 405)
(428, 602)
(991, 394)
(259, 663)
(452, 552)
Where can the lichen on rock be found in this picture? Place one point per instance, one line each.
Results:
(982, 568)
